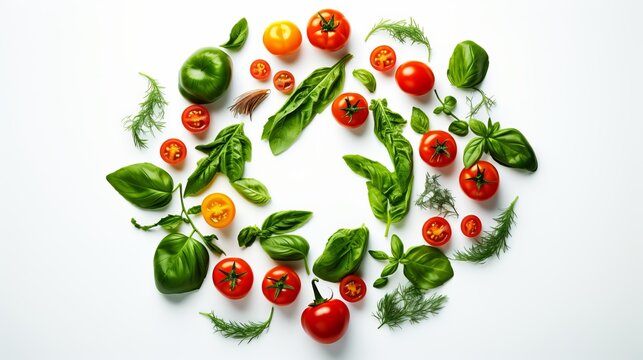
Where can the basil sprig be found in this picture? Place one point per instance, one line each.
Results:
(342, 255)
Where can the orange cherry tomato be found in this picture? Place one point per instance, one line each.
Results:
(471, 226)
(282, 38)
(352, 288)
(284, 81)
(328, 30)
(218, 210)
(173, 151)
(260, 69)
(383, 58)
(436, 231)
(196, 118)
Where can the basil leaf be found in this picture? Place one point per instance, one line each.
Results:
(380, 283)
(438, 110)
(144, 185)
(459, 127)
(286, 221)
(366, 78)
(342, 255)
(400, 206)
(209, 242)
(509, 147)
(426, 267)
(473, 151)
(253, 190)
(478, 127)
(378, 255)
(310, 98)
(419, 121)
(449, 104)
(194, 210)
(180, 264)
(248, 235)
(171, 222)
(238, 35)
(379, 202)
(389, 269)
(468, 65)
(397, 247)
(286, 248)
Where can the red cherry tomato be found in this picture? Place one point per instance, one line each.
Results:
(436, 231)
(281, 285)
(196, 118)
(471, 226)
(438, 148)
(260, 69)
(328, 30)
(284, 81)
(415, 78)
(352, 288)
(233, 277)
(173, 151)
(325, 320)
(383, 58)
(480, 181)
(350, 110)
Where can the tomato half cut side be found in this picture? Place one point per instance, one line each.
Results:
(260, 69)
(471, 226)
(218, 210)
(196, 118)
(436, 231)
(383, 58)
(173, 151)
(284, 81)
(352, 288)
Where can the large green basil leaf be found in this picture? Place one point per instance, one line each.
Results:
(372, 170)
(379, 202)
(144, 185)
(286, 221)
(468, 65)
(310, 98)
(419, 121)
(286, 248)
(342, 255)
(509, 147)
(238, 35)
(426, 267)
(253, 190)
(400, 206)
(473, 151)
(180, 264)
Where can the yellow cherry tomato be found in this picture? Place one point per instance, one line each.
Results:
(282, 38)
(218, 210)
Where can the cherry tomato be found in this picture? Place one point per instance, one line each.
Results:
(415, 78)
(328, 30)
(173, 151)
(281, 285)
(471, 226)
(352, 288)
(436, 231)
(233, 277)
(218, 210)
(325, 320)
(383, 58)
(260, 69)
(480, 181)
(284, 81)
(350, 109)
(282, 38)
(438, 148)
(196, 118)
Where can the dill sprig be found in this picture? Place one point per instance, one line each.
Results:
(402, 31)
(492, 242)
(151, 112)
(436, 197)
(487, 102)
(237, 330)
(407, 303)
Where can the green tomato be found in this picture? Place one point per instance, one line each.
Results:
(205, 75)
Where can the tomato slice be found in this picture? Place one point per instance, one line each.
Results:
(173, 151)
(196, 118)
(218, 210)
(436, 231)
(383, 58)
(352, 288)
(284, 81)
(260, 69)
(471, 226)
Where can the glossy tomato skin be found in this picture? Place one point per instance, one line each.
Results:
(436, 231)
(195, 118)
(352, 288)
(260, 69)
(233, 277)
(284, 81)
(438, 148)
(328, 30)
(471, 226)
(282, 38)
(383, 58)
(218, 210)
(281, 285)
(415, 78)
(350, 110)
(327, 322)
(480, 181)
(173, 151)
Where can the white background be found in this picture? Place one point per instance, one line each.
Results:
(77, 278)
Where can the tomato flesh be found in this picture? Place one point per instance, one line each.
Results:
(352, 288)
(436, 231)
(260, 69)
(383, 58)
(233, 277)
(415, 78)
(328, 30)
(471, 226)
(284, 81)
(218, 210)
(196, 118)
(173, 151)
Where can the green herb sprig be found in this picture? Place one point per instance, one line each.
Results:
(247, 331)
(150, 114)
(407, 303)
(435, 197)
(402, 31)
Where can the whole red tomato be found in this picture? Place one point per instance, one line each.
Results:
(328, 30)
(233, 277)
(325, 320)
(480, 181)
(438, 148)
(350, 109)
(415, 78)
(352, 288)
(281, 285)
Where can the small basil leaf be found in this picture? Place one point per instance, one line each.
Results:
(194, 210)
(378, 255)
(253, 190)
(494, 128)
(209, 242)
(248, 235)
(286, 221)
(389, 269)
(380, 283)
(180, 264)
(397, 247)
(459, 127)
(144, 185)
(286, 248)
(449, 104)
(366, 78)
(238, 35)
(438, 110)
(473, 151)
(419, 121)
(171, 222)
(477, 127)
(342, 255)
(427, 267)
(509, 147)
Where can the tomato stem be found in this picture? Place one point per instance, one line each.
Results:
(319, 299)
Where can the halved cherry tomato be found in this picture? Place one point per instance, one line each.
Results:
(196, 118)
(471, 226)
(218, 210)
(281, 285)
(438, 148)
(436, 231)
(260, 69)
(328, 30)
(352, 288)
(233, 277)
(325, 320)
(383, 58)
(173, 151)
(415, 78)
(350, 109)
(282, 38)
(284, 81)
(480, 181)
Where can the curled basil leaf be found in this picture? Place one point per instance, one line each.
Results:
(366, 78)
(459, 127)
(342, 255)
(509, 147)
(180, 264)
(144, 185)
(286, 221)
(253, 190)
(248, 235)
(468, 65)
(473, 151)
(286, 248)
(419, 121)
(426, 267)
(238, 35)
